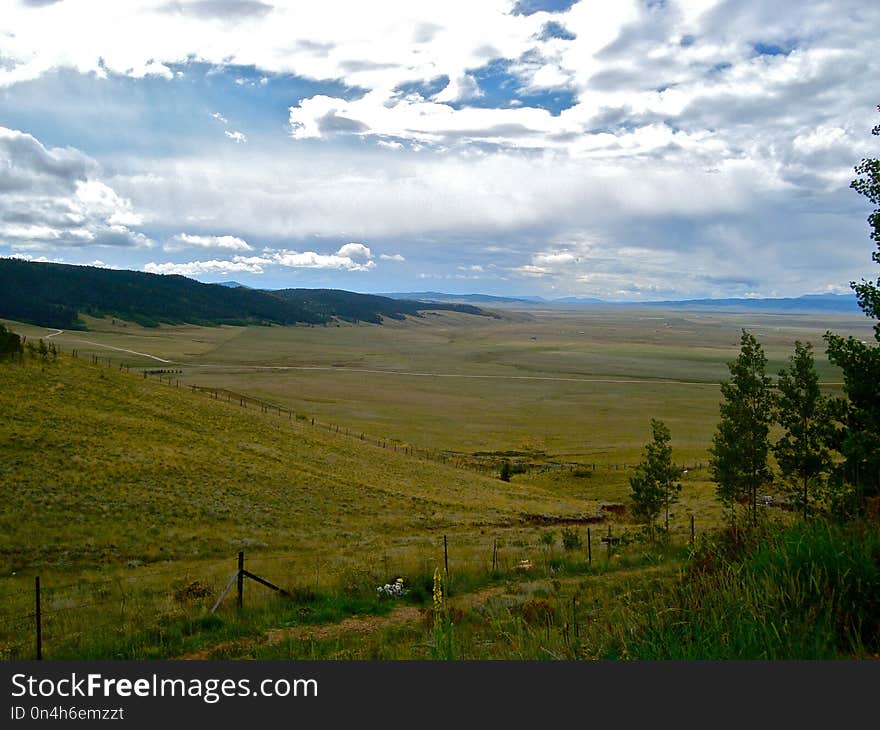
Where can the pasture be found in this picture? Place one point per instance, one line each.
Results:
(122, 491)
(578, 385)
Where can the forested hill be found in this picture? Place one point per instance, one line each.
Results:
(54, 295)
(331, 302)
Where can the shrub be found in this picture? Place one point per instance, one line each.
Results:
(811, 591)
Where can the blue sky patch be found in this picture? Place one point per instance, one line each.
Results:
(156, 115)
(552, 29)
(530, 7)
(425, 89)
(772, 49)
(501, 89)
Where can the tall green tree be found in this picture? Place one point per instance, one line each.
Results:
(738, 461)
(868, 184)
(805, 416)
(653, 486)
(858, 438)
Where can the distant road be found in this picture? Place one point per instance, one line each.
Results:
(110, 347)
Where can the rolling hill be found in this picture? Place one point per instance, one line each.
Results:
(102, 467)
(54, 295)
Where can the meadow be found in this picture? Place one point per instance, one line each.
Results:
(131, 497)
(576, 385)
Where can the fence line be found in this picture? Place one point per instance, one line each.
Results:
(459, 460)
(495, 557)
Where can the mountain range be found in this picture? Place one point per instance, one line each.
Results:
(843, 303)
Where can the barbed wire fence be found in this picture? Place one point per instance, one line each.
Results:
(487, 465)
(42, 619)
(60, 614)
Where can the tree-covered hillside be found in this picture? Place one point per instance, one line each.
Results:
(54, 295)
(367, 307)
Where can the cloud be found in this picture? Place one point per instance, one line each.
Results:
(150, 68)
(184, 241)
(235, 136)
(355, 252)
(232, 10)
(31, 257)
(681, 130)
(349, 257)
(197, 268)
(464, 88)
(392, 257)
(52, 198)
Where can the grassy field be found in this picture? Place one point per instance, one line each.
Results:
(131, 497)
(567, 385)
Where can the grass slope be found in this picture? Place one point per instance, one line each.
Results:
(101, 466)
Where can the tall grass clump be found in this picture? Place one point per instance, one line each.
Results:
(810, 591)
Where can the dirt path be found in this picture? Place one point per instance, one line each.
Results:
(370, 624)
(352, 625)
(111, 347)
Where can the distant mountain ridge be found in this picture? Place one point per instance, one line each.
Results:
(808, 302)
(805, 303)
(54, 295)
(434, 296)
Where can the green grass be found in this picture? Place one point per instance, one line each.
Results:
(569, 420)
(118, 488)
(121, 490)
(807, 591)
(104, 467)
(802, 592)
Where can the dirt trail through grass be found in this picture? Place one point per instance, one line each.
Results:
(351, 625)
(122, 349)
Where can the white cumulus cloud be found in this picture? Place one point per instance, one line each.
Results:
(53, 198)
(229, 243)
(197, 268)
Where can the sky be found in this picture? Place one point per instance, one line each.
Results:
(634, 150)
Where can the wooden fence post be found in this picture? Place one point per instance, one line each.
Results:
(692, 529)
(446, 558)
(609, 542)
(495, 555)
(38, 615)
(240, 602)
(589, 547)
